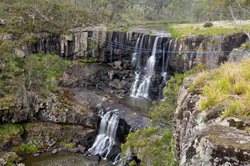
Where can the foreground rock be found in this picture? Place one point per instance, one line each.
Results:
(202, 138)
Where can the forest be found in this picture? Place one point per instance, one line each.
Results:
(59, 15)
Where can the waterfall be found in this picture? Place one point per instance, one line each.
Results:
(135, 84)
(143, 89)
(135, 52)
(164, 71)
(105, 139)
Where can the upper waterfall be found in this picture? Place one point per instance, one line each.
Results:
(141, 89)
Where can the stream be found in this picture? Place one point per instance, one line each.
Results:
(62, 159)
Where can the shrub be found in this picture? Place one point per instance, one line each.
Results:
(208, 25)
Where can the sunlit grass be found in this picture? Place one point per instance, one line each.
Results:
(219, 27)
(230, 85)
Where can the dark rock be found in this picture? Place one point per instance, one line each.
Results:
(214, 113)
(114, 152)
(236, 123)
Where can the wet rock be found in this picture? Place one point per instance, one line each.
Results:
(73, 149)
(114, 152)
(20, 164)
(36, 154)
(94, 158)
(54, 151)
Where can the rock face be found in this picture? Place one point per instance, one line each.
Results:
(67, 111)
(110, 80)
(111, 46)
(238, 55)
(202, 138)
(212, 50)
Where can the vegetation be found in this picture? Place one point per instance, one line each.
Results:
(25, 148)
(222, 27)
(152, 145)
(34, 73)
(155, 143)
(228, 85)
(8, 131)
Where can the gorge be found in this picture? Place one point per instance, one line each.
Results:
(90, 105)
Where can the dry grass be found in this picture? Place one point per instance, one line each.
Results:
(219, 27)
(229, 84)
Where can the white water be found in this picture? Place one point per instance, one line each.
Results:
(165, 62)
(135, 52)
(135, 84)
(105, 139)
(143, 89)
(120, 161)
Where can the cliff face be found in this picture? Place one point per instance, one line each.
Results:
(205, 44)
(202, 138)
(110, 46)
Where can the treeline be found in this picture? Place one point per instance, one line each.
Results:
(61, 15)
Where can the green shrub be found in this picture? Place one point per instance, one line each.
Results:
(25, 148)
(245, 46)
(207, 25)
(8, 131)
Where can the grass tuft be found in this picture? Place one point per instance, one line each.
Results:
(229, 84)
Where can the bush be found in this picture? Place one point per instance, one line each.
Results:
(208, 25)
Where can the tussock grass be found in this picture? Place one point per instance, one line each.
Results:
(219, 27)
(229, 84)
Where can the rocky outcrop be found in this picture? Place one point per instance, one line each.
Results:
(63, 109)
(238, 55)
(111, 80)
(203, 138)
(210, 50)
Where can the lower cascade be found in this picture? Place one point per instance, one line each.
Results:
(106, 138)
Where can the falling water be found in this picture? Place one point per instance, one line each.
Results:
(105, 139)
(135, 52)
(143, 89)
(165, 61)
(135, 84)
